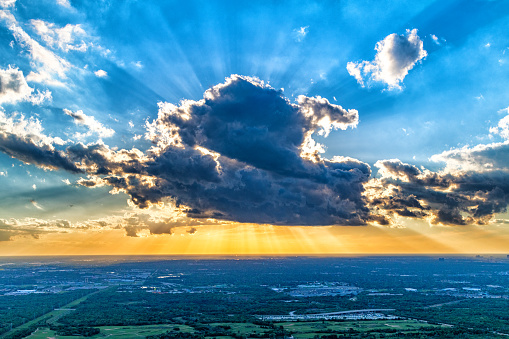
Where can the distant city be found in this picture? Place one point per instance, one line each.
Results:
(208, 297)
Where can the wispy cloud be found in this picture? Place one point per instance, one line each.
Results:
(91, 123)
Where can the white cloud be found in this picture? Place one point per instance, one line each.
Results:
(7, 3)
(64, 3)
(39, 97)
(137, 64)
(396, 55)
(502, 128)
(13, 86)
(300, 33)
(479, 158)
(47, 60)
(101, 73)
(29, 129)
(46, 63)
(91, 123)
(44, 77)
(69, 37)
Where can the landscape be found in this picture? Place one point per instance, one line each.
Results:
(255, 297)
(232, 169)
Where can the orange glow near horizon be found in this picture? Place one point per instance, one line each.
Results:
(249, 239)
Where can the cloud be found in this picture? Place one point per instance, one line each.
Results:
(67, 38)
(300, 33)
(91, 123)
(13, 86)
(502, 128)
(36, 204)
(101, 74)
(192, 230)
(480, 158)
(64, 3)
(7, 3)
(454, 197)
(28, 227)
(24, 140)
(47, 63)
(242, 154)
(396, 55)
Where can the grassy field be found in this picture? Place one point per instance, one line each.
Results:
(310, 329)
(242, 328)
(301, 330)
(116, 332)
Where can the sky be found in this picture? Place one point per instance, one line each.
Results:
(265, 127)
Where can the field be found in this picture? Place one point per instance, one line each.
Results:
(117, 332)
(300, 330)
(310, 329)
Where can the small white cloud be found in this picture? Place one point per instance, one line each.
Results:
(487, 45)
(34, 186)
(137, 64)
(396, 55)
(3, 174)
(91, 123)
(437, 40)
(66, 181)
(36, 205)
(101, 73)
(64, 3)
(130, 123)
(300, 33)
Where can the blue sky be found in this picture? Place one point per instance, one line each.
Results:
(95, 72)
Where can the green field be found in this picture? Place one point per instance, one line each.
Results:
(366, 325)
(116, 332)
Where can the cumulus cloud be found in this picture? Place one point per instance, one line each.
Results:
(245, 153)
(91, 123)
(67, 38)
(502, 128)
(396, 55)
(238, 154)
(13, 86)
(24, 140)
(10, 229)
(460, 197)
(101, 73)
(480, 158)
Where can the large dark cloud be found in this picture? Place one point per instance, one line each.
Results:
(245, 153)
(458, 197)
(24, 149)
